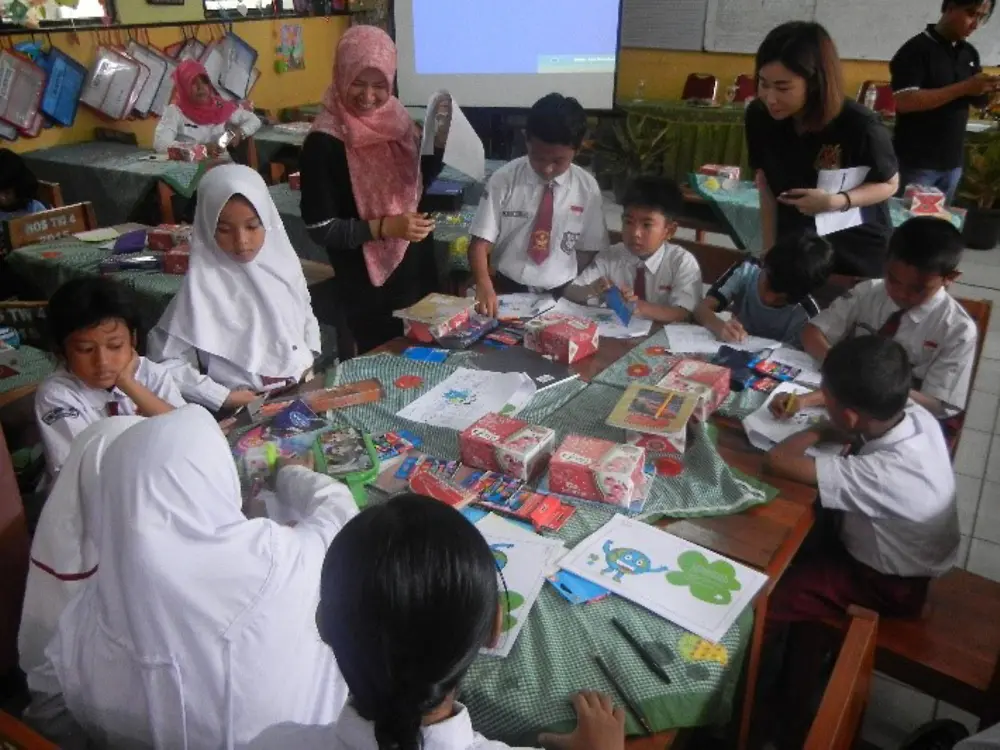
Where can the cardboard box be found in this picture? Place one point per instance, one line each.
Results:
(187, 152)
(721, 171)
(928, 202)
(507, 445)
(709, 382)
(295, 181)
(176, 261)
(594, 469)
(167, 237)
(659, 445)
(564, 338)
(435, 316)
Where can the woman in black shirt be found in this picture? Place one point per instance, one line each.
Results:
(362, 179)
(800, 126)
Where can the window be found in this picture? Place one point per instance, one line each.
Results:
(85, 10)
(229, 6)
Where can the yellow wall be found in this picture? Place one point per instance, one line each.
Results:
(272, 91)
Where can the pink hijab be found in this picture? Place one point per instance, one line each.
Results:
(216, 111)
(381, 146)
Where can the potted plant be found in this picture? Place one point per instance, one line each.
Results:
(630, 147)
(980, 191)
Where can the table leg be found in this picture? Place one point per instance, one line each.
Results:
(753, 669)
(166, 195)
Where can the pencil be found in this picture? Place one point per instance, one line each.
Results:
(663, 406)
(641, 650)
(630, 702)
(791, 405)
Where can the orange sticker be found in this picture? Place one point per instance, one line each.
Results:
(407, 382)
(638, 370)
(51, 254)
(669, 466)
(656, 351)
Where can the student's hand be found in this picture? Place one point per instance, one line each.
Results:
(486, 299)
(779, 406)
(599, 726)
(237, 138)
(809, 201)
(643, 309)
(599, 287)
(628, 294)
(127, 376)
(214, 150)
(732, 331)
(236, 399)
(980, 84)
(412, 227)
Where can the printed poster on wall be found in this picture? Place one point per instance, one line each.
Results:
(290, 53)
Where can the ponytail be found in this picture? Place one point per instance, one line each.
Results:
(398, 729)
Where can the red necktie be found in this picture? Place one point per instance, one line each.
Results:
(639, 289)
(541, 234)
(891, 326)
(113, 409)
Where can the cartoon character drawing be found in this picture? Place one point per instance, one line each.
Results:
(459, 397)
(624, 561)
(614, 489)
(499, 556)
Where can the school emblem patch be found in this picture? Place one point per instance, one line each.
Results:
(569, 240)
(829, 157)
(60, 412)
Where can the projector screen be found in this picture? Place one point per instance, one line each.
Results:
(507, 53)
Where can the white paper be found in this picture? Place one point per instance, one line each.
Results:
(464, 149)
(689, 585)
(467, 395)
(495, 525)
(523, 305)
(687, 338)
(764, 430)
(521, 563)
(836, 181)
(809, 367)
(98, 235)
(608, 324)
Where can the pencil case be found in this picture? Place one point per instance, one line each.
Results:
(349, 456)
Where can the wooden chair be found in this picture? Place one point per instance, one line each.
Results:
(746, 88)
(50, 193)
(15, 547)
(700, 87)
(840, 713)
(885, 101)
(16, 736)
(49, 225)
(713, 259)
(279, 173)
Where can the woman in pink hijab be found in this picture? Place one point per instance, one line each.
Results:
(362, 180)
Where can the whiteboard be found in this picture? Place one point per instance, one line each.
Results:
(741, 25)
(658, 24)
(865, 30)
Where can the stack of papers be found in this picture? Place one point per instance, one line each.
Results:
(465, 396)
(523, 306)
(764, 430)
(685, 338)
(608, 323)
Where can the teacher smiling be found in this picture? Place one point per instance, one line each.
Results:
(822, 162)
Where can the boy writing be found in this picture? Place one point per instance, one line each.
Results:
(662, 280)
(912, 306)
(94, 331)
(770, 298)
(538, 211)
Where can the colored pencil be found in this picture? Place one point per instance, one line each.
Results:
(627, 699)
(641, 650)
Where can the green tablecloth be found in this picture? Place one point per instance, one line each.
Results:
(30, 366)
(514, 698)
(287, 202)
(271, 139)
(115, 177)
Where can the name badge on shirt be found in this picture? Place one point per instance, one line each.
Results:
(569, 241)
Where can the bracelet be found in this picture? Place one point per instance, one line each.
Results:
(847, 197)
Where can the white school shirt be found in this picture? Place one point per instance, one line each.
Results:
(351, 732)
(174, 127)
(939, 336)
(673, 276)
(506, 218)
(65, 406)
(899, 496)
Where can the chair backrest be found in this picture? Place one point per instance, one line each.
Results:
(27, 318)
(746, 88)
(846, 696)
(50, 193)
(980, 311)
(49, 225)
(700, 87)
(714, 260)
(16, 736)
(885, 102)
(15, 548)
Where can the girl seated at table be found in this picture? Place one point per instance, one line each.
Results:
(199, 114)
(408, 597)
(241, 323)
(18, 187)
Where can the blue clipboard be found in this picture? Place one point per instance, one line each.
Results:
(618, 304)
(61, 96)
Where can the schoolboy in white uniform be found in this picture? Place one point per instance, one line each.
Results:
(538, 211)
(94, 331)
(663, 281)
(912, 306)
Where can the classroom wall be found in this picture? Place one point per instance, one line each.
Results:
(273, 91)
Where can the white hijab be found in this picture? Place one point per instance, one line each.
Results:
(64, 548)
(199, 629)
(257, 315)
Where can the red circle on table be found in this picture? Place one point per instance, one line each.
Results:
(669, 466)
(409, 381)
(656, 351)
(51, 254)
(638, 370)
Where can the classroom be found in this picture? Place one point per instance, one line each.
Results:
(632, 382)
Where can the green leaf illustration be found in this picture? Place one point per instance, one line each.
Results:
(709, 582)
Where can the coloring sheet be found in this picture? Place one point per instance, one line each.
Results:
(521, 563)
(467, 395)
(523, 305)
(794, 358)
(608, 323)
(764, 430)
(495, 525)
(686, 338)
(464, 149)
(689, 585)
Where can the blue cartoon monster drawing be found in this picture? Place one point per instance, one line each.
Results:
(624, 561)
(459, 397)
(499, 556)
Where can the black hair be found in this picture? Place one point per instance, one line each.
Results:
(869, 374)
(929, 244)
(83, 303)
(798, 265)
(557, 120)
(807, 49)
(970, 4)
(15, 175)
(408, 597)
(658, 193)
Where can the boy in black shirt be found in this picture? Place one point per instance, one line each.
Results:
(936, 77)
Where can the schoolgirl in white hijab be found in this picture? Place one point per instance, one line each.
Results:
(199, 629)
(242, 322)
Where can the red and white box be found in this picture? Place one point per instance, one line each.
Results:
(594, 469)
(187, 152)
(659, 445)
(167, 237)
(564, 338)
(925, 201)
(722, 171)
(435, 316)
(507, 445)
(176, 261)
(709, 382)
